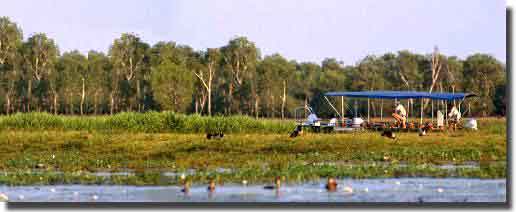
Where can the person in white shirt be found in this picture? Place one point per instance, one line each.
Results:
(400, 114)
(454, 117)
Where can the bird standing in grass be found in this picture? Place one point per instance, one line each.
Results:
(277, 184)
(214, 135)
(388, 134)
(297, 132)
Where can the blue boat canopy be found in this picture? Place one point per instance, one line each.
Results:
(401, 95)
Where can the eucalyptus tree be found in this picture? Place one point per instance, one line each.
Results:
(275, 73)
(99, 69)
(10, 41)
(210, 60)
(452, 73)
(75, 73)
(240, 56)
(306, 78)
(128, 56)
(408, 70)
(171, 80)
(40, 55)
(437, 62)
(484, 73)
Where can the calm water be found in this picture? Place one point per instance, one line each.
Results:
(367, 190)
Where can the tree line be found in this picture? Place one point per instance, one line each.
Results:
(231, 79)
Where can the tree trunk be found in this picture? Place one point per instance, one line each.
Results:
(209, 99)
(256, 110)
(284, 99)
(83, 94)
(138, 96)
(55, 103)
(112, 105)
(196, 106)
(95, 100)
(229, 99)
(71, 102)
(8, 103)
(29, 95)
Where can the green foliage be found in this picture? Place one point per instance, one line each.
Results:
(149, 122)
(256, 157)
(226, 80)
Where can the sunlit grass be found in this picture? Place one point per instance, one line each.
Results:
(250, 156)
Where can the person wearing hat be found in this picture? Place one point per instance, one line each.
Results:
(400, 114)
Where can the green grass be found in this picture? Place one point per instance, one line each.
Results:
(78, 145)
(149, 122)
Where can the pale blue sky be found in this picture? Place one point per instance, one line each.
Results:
(305, 30)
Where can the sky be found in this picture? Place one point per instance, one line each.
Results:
(304, 30)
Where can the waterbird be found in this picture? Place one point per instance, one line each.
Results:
(3, 197)
(331, 185)
(398, 183)
(366, 190)
(95, 197)
(214, 135)
(244, 182)
(40, 166)
(75, 193)
(298, 131)
(21, 197)
(53, 190)
(388, 134)
(440, 190)
(211, 186)
(186, 187)
(277, 184)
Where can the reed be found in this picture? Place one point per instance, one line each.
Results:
(149, 122)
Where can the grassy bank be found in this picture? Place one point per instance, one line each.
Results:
(150, 122)
(251, 156)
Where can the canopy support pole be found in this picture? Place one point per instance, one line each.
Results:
(446, 113)
(421, 118)
(381, 110)
(432, 101)
(355, 106)
(332, 106)
(368, 110)
(342, 106)
(408, 111)
(469, 109)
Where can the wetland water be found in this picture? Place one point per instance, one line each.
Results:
(349, 190)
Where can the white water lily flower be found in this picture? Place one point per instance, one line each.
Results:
(348, 189)
(3, 197)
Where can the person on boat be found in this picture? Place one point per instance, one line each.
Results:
(400, 114)
(453, 117)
